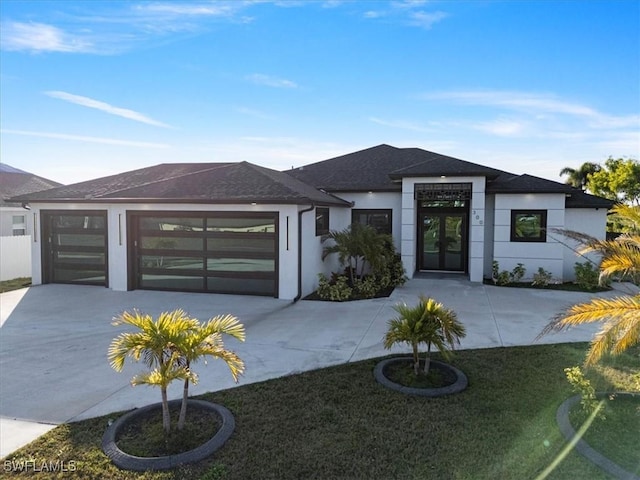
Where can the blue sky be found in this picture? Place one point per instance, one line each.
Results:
(93, 88)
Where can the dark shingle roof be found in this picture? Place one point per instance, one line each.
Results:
(14, 182)
(192, 183)
(379, 168)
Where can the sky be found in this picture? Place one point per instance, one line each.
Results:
(94, 88)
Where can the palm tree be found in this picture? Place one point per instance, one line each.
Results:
(578, 178)
(621, 315)
(159, 344)
(206, 340)
(357, 246)
(428, 322)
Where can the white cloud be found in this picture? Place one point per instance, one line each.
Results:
(513, 100)
(501, 127)
(270, 81)
(81, 138)
(254, 113)
(190, 9)
(40, 37)
(107, 108)
(426, 19)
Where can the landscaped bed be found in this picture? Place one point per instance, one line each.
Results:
(339, 423)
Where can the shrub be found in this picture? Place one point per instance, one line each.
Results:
(587, 277)
(542, 278)
(582, 386)
(337, 290)
(366, 287)
(505, 277)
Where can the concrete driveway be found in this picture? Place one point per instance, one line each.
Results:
(54, 340)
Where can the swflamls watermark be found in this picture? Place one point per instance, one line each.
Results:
(39, 466)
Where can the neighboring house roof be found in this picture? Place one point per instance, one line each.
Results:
(380, 168)
(240, 182)
(14, 182)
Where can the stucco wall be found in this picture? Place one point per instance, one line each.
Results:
(476, 223)
(591, 221)
(548, 255)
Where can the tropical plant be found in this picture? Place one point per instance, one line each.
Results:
(357, 246)
(169, 345)
(541, 278)
(579, 177)
(158, 343)
(621, 315)
(428, 322)
(206, 340)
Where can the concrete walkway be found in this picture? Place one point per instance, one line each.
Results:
(54, 340)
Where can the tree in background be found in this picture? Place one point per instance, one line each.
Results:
(618, 180)
(579, 178)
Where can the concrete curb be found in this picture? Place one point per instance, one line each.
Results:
(582, 447)
(130, 462)
(459, 385)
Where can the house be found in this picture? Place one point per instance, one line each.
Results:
(242, 228)
(14, 218)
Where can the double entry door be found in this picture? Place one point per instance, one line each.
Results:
(442, 241)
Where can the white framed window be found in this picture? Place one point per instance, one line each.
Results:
(19, 225)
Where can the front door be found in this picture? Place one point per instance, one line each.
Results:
(443, 238)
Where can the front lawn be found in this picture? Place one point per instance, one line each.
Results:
(339, 423)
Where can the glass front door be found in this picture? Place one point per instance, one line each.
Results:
(443, 241)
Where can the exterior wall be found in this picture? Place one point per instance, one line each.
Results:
(490, 205)
(476, 223)
(117, 238)
(312, 263)
(376, 200)
(6, 220)
(548, 255)
(15, 257)
(593, 222)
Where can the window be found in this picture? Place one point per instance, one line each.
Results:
(18, 225)
(380, 219)
(528, 225)
(322, 221)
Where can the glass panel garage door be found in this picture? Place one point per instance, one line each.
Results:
(224, 252)
(75, 247)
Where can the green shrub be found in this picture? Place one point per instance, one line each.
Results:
(587, 277)
(337, 290)
(582, 386)
(517, 273)
(366, 287)
(503, 277)
(542, 278)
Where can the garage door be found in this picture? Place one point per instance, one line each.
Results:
(74, 247)
(218, 252)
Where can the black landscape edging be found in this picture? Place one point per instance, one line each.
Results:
(459, 385)
(130, 462)
(595, 457)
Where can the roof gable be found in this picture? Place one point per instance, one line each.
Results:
(14, 182)
(192, 183)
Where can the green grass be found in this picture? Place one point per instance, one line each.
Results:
(617, 435)
(339, 423)
(14, 284)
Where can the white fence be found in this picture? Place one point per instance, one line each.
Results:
(15, 257)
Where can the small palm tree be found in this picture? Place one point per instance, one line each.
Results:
(428, 322)
(621, 315)
(357, 246)
(159, 344)
(206, 340)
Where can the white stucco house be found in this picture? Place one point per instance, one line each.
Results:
(240, 228)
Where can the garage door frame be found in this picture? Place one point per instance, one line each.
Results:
(135, 251)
